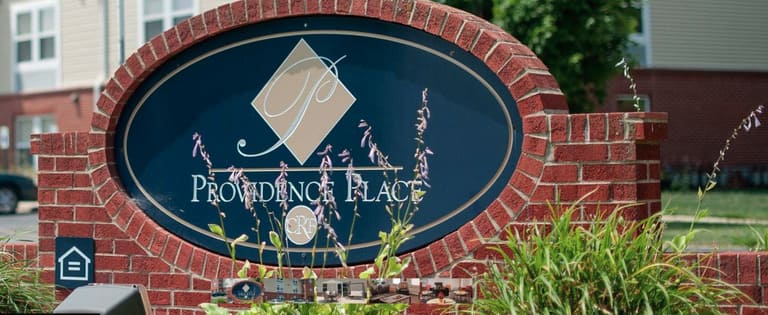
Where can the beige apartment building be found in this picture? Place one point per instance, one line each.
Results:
(703, 61)
(56, 56)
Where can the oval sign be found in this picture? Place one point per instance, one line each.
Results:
(281, 91)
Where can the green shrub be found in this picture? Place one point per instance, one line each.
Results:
(610, 265)
(21, 290)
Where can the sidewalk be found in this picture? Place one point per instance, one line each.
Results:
(712, 220)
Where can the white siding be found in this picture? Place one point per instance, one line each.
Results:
(206, 5)
(130, 20)
(82, 39)
(6, 64)
(81, 42)
(33, 79)
(709, 34)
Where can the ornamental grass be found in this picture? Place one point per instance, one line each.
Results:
(21, 289)
(610, 265)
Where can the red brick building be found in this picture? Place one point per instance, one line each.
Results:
(58, 54)
(704, 63)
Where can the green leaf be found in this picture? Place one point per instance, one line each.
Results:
(710, 185)
(396, 268)
(307, 273)
(213, 309)
(406, 262)
(379, 261)
(240, 239)
(216, 229)
(264, 274)
(367, 273)
(679, 243)
(275, 239)
(701, 214)
(243, 272)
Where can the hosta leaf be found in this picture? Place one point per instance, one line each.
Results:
(216, 229)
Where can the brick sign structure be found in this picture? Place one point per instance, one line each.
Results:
(83, 194)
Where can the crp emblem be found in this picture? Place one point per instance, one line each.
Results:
(300, 225)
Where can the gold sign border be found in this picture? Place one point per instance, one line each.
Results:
(432, 224)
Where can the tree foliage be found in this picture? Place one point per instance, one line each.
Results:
(579, 40)
(481, 8)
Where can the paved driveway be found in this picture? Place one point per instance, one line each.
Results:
(22, 226)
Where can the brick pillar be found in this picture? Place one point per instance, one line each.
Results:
(78, 198)
(64, 188)
(616, 155)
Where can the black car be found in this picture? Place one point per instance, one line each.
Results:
(15, 188)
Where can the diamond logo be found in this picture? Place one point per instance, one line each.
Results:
(302, 102)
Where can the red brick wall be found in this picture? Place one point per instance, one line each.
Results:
(81, 193)
(703, 107)
(69, 115)
(747, 271)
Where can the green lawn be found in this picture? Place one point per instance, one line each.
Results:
(747, 204)
(751, 204)
(720, 237)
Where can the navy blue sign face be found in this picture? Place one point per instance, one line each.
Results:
(280, 91)
(74, 261)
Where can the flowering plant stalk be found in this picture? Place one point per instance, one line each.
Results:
(680, 242)
(217, 229)
(632, 85)
(326, 202)
(250, 195)
(238, 178)
(386, 264)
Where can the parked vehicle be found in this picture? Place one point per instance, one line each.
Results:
(15, 188)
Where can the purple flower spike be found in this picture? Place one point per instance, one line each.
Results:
(747, 123)
(326, 151)
(198, 141)
(366, 137)
(235, 174)
(345, 156)
(372, 153)
(319, 209)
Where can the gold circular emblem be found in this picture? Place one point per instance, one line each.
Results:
(300, 225)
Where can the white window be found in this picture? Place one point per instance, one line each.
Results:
(160, 15)
(626, 103)
(640, 41)
(25, 127)
(35, 45)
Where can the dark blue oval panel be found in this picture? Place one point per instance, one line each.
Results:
(281, 91)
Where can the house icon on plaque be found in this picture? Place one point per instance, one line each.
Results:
(74, 265)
